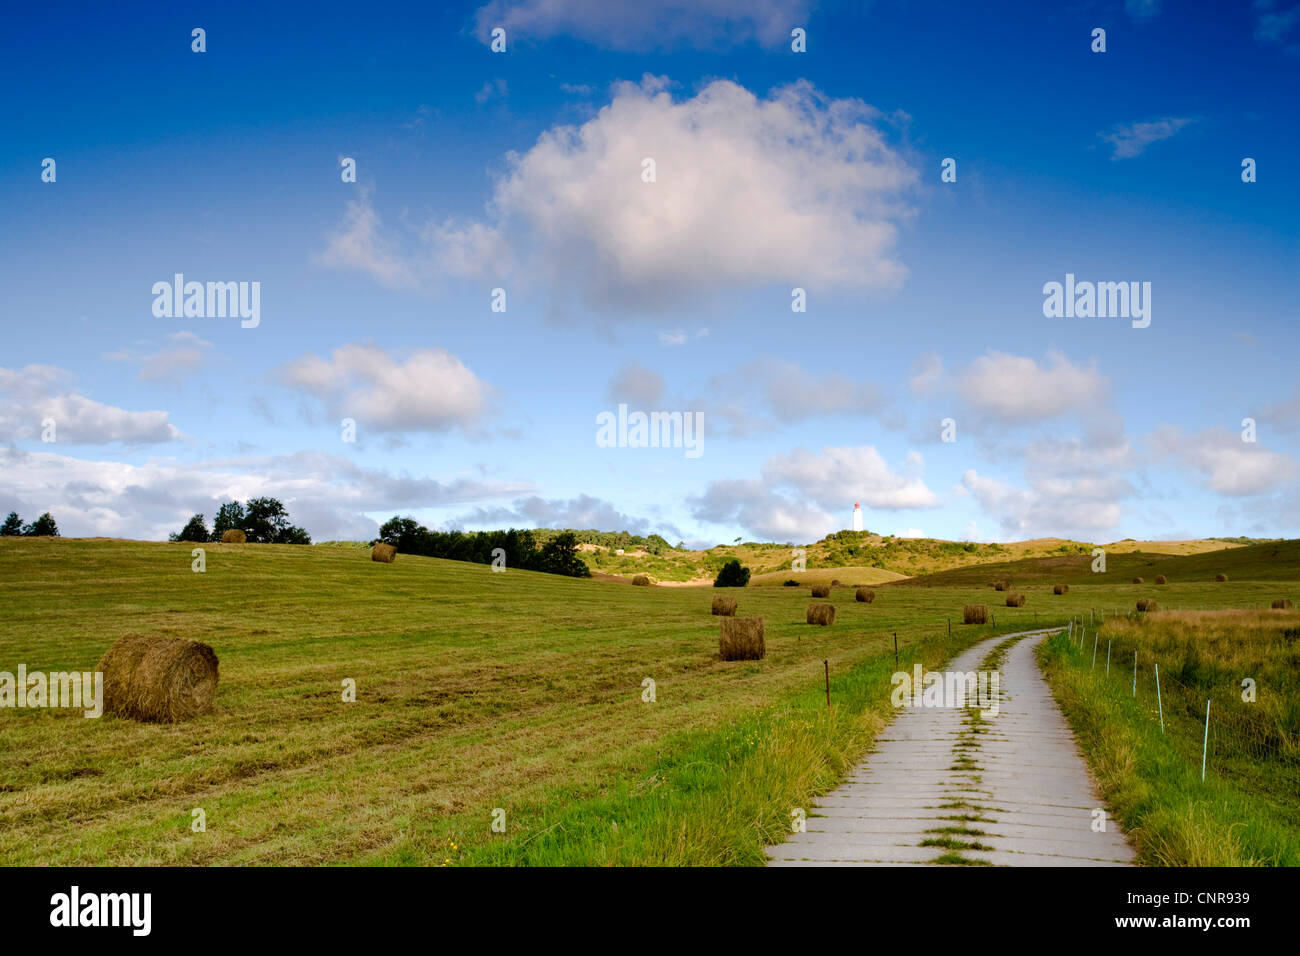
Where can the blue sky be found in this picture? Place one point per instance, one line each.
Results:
(774, 169)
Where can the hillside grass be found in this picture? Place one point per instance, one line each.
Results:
(1244, 812)
(476, 691)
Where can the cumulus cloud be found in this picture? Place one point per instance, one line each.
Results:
(1229, 465)
(31, 395)
(795, 188)
(759, 395)
(431, 390)
(927, 374)
(647, 24)
(1053, 506)
(359, 244)
(636, 385)
(1131, 139)
(327, 494)
(181, 356)
(751, 505)
(580, 513)
(1014, 389)
(837, 477)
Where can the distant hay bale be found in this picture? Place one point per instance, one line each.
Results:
(1015, 600)
(822, 614)
(1147, 604)
(1138, 581)
(741, 639)
(1220, 578)
(233, 536)
(1282, 604)
(724, 606)
(1161, 579)
(865, 595)
(975, 614)
(1061, 589)
(383, 552)
(158, 679)
(641, 581)
(821, 590)
(836, 583)
(999, 585)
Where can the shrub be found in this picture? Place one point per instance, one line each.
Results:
(732, 575)
(790, 583)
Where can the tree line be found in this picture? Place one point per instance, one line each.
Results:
(263, 521)
(517, 547)
(43, 526)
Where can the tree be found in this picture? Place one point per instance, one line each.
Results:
(732, 575)
(230, 516)
(267, 522)
(560, 556)
(195, 530)
(12, 527)
(43, 526)
(404, 534)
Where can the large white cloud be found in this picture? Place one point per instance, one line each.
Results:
(1015, 389)
(430, 390)
(837, 477)
(1228, 465)
(32, 395)
(795, 188)
(646, 24)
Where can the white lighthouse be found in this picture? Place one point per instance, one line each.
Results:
(857, 516)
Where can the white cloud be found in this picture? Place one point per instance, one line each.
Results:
(837, 477)
(1131, 139)
(326, 494)
(432, 390)
(927, 374)
(646, 24)
(767, 514)
(1230, 466)
(797, 188)
(580, 513)
(636, 385)
(1015, 389)
(30, 395)
(1053, 506)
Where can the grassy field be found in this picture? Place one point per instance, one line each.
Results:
(1146, 748)
(476, 691)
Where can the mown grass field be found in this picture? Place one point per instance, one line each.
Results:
(475, 691)
(1244, 812)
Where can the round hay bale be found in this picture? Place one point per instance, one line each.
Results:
(821, 614)
(821, 590)
(741, 639)
(1061, 589)
(724, 606)
(1161, 579)
(790, 583)
(865, 595)
(1282, 604)
(1137, 581)
(383, 552)
(1220, 578)
(836, 583)
(641, 581)
(1147, 604)
(158, 679)
(1015, 600)
(999, 585)
(233, 536)
(975, 614)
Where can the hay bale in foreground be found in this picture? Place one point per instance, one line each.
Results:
(1147, 604)
(233, 536)
(641, 581)
(741, 639)
(975, 614)
(1061, 589)
(865, 595)
(821, 590)
(724, 606)
(1138, 581)
(1282, 604)
(1220, 578)
(822, 614)
(999, 585)
(158, 679)
(383, 552)
(1161, 579)
(1015, 600)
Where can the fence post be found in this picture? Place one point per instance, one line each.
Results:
(1108, 643)
(1094, 650)
(1206, 743)
(1135, 672)
(1161, 705)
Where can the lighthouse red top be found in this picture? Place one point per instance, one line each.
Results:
(855, 506)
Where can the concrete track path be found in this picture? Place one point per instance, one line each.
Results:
(1019, 773)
